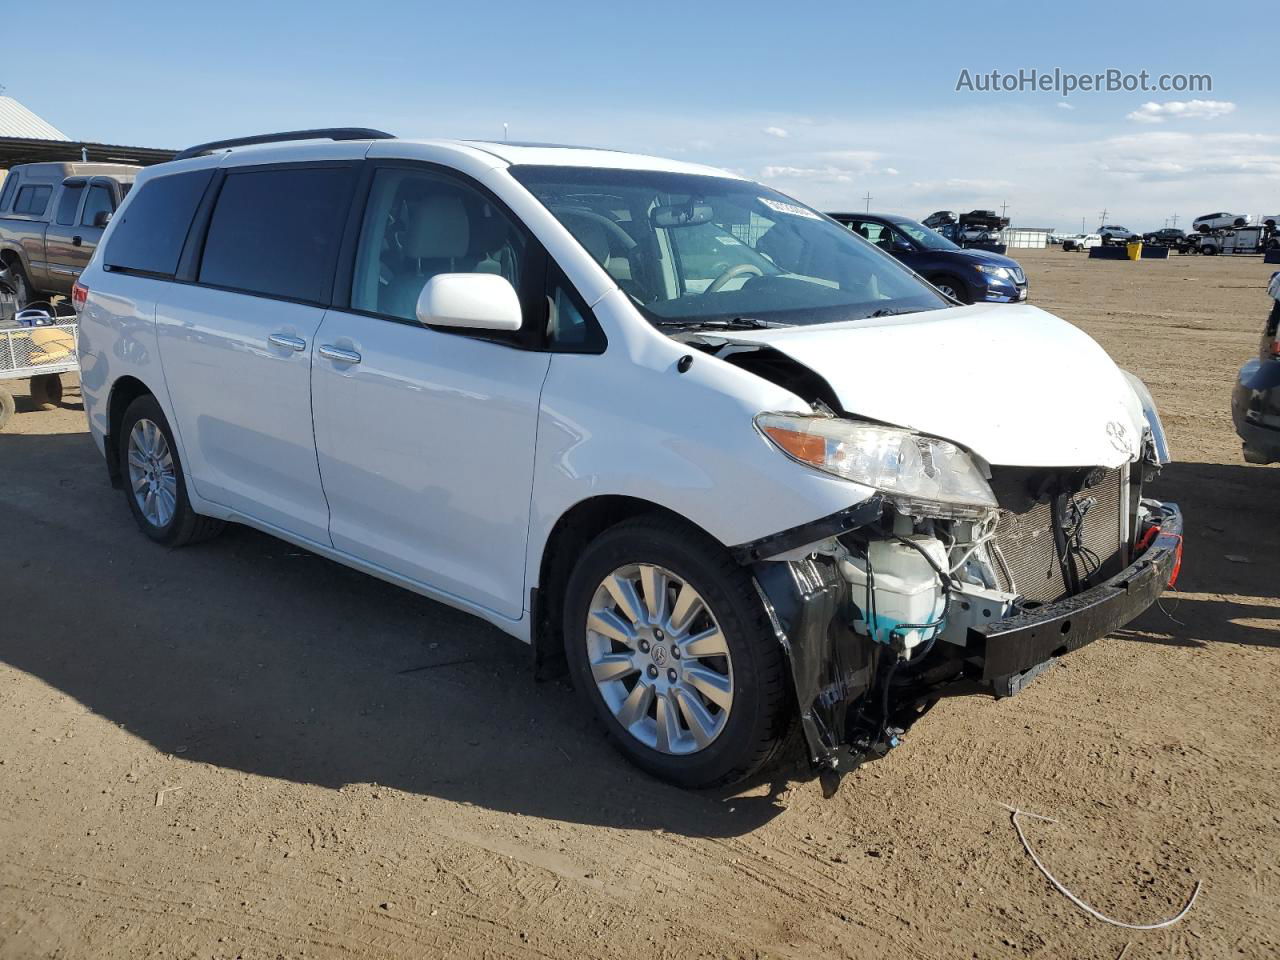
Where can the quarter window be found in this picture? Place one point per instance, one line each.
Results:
(276, 232)
(68, 203)
(149, 234)
(418, 225)
(33, 200)
(98, 201)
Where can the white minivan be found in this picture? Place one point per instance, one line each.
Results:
(731, 464)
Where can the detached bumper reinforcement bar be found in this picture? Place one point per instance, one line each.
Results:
(1022, 643)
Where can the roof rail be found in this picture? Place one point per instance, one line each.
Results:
(327, 133)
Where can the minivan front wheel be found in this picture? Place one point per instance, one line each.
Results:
(669, 643)
(153, 478)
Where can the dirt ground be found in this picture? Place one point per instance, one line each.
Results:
(241, 750)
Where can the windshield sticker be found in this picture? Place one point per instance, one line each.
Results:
(792, 208)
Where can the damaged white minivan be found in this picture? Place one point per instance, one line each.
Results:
(735, 466)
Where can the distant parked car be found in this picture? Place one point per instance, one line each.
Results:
(970, 276)
(1219, 221)
(937, 220)
(1081, 241)
(1270, 220)
(1255, 402)
(1167, 237)
(1114, 233)
(51, 218)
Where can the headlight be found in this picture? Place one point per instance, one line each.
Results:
(1001, 272)
(1159, 441)
(922, 475)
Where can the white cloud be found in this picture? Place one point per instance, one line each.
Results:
(890, 171)
(1063, 105)
(778, 132)
(1152, 112)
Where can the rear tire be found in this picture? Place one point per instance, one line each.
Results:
(46, 390)
(697, 740)
(154, 483)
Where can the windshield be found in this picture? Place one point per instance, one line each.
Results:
(692, 249)
(929, 239)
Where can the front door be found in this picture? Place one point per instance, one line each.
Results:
(237, 343)
(426, 437)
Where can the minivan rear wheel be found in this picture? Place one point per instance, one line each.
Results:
(668, 642)
(154, 483)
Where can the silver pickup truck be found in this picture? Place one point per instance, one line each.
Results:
(51, 218)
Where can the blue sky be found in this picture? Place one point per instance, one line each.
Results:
(825, 101)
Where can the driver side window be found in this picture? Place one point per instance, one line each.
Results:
(419, 224)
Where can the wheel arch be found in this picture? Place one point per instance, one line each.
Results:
(123, 392)
(575, 528)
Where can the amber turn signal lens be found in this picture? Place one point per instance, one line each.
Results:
(802, 446)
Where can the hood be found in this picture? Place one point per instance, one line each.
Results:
(986, 256)
(1013, 384)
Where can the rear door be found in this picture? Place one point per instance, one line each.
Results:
(62, 239)
(237, 339)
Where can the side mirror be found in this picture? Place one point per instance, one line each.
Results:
(102, 218)
(900, 246)
(470, 301)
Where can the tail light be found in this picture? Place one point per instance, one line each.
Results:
(79, 296)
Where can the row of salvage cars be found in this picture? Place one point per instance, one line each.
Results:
(779, 479)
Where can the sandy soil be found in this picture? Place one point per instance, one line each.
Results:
(240, 750)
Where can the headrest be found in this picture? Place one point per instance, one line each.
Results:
(438, 227)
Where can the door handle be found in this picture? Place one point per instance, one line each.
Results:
(286, 343)
(337, 354)
(76, 241)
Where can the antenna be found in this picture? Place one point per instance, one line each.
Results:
(868, 199)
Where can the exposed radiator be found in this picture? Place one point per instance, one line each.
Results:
(1026, 542)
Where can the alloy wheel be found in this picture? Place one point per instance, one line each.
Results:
(153, 477)
(659, 659)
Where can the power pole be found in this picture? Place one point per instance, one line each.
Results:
(1083, 229)
(868, 199)
(1103, 216)
(1174, 220)
(1004, 208)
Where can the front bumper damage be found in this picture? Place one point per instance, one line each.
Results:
(853, 700)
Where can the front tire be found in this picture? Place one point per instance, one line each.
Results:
(952, 288)
(668, 642)
(154, 484)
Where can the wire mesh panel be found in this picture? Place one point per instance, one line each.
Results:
(31, 351)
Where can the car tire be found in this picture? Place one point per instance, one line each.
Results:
(673, 729)
(7, 407)
(154, 483)
(24, 293)
(46, 390)
(952, 287)
(1208, 250)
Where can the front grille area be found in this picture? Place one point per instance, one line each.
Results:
(1026, 542)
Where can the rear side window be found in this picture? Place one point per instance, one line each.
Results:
(276, 232)
(33, 199)
(69, 203)
(149, 236)
(6, 194)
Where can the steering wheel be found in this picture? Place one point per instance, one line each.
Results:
(737, 270)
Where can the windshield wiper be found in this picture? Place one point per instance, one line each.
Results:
(886, 312)
(736, 323)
